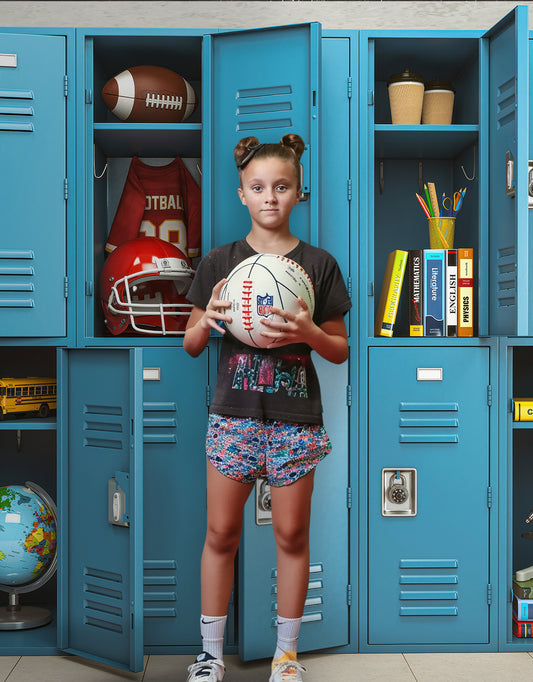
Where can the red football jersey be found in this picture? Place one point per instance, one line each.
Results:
(159, 201)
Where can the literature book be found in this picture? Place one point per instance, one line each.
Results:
(390, 293)
(416, 292)
(465, 268)
(434, 292)
(523, 590)
(523, 409)
(451, 292)
(522, 608)
(521, 628)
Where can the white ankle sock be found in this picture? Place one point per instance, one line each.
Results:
(212, 630)
(288, 631)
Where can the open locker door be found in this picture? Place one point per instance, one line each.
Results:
(325, 617)
(262, 82)
(32, 185)
(508, 175)
(101, 506)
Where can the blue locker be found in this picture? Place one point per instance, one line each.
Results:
(429, 571)
(33, 191)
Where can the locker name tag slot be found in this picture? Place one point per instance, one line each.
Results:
(429, 373)
(151, 373)
(9, 60)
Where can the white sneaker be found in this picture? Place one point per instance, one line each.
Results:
(206, 669)
(287, 671)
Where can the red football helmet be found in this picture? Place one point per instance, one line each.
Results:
(143, 285)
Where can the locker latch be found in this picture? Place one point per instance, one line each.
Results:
(530, 184)
(510, 188)
(116, 499)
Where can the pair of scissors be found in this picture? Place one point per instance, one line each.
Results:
(446, 206)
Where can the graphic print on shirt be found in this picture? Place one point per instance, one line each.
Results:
(270, 374)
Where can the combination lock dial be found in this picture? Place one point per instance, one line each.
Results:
(397, 492)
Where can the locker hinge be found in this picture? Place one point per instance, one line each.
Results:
(349, 189)
(88, 288)
(370, 98)
(65, 287)
(489, 395)
(371, 288)
(65, 85)
(489, 497)
(349, 86)
(349, 286)
(208, 395)
(489, 594)
(349, 498)
(65, 189)
(349, 595)
(349, 395)
(88, 96)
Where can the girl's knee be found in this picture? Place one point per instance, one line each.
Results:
(223, 539)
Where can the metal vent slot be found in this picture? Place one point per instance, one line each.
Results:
(505, 103)
(313, 607)
(157, 602)
(13, 110)
(269, 104)
(418, 426)
(159, 428)
(506, 277)
(16, 277)
(419, 572)
(103, 606)
(16, 94)
(99, 422)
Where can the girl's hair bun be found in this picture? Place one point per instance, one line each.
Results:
(243, 148)
(295, 142)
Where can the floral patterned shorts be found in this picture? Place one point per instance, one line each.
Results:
(244, 449)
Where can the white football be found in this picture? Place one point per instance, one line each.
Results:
(258, 284)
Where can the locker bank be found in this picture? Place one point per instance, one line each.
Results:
(132, 410)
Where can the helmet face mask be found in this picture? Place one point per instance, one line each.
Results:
(143, 285)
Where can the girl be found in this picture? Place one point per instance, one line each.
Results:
(262, 426)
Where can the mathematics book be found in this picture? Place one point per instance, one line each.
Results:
(415, 279)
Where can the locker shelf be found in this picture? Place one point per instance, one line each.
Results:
(147, 139)
(46, 424)
(423, 141)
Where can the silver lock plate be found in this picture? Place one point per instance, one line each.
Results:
(398, 492)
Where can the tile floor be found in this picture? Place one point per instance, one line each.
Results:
(468, 667)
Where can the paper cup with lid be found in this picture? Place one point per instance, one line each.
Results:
(439, 97)
(406, 97)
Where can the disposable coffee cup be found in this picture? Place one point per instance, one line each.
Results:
(438, 103)
(406, 97)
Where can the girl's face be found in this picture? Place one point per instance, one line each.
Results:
(269, 190)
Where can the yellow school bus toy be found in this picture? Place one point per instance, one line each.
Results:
(28, 394)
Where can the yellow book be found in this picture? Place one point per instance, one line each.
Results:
(390, 293)
(523, 409)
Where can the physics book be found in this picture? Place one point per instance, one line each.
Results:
(390, 293)
(465, 284)
(415, 279)
(434, 293)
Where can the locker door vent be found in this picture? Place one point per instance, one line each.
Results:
(313, 608)
(159, 422)
(11, 111)
(17, 279)
(160, 593)
(264, 108)
(103, 600)
(506, 103)
(506, 267)
(103, 427)
(441, 426)
(426, 587)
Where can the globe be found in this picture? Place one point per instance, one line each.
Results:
(28, 559)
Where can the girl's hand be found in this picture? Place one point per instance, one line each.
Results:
(214, 312)
(297, 328)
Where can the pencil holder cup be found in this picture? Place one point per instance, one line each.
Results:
(441, 233)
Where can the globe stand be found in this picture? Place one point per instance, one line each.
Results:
(17, 617)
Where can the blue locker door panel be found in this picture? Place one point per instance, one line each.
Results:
(263, 83)
(32, 189)
(101, 597)
(428, 573)
(174, 424)
(325, 620)
(508, 213)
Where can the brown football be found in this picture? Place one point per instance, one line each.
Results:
(149, 94)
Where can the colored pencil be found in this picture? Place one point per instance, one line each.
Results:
(423, 204)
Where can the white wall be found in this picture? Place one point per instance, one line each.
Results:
(332, 14)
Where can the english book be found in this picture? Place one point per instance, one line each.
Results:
(451, 292)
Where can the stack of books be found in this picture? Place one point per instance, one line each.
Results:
(523, 608)
(440, 288)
